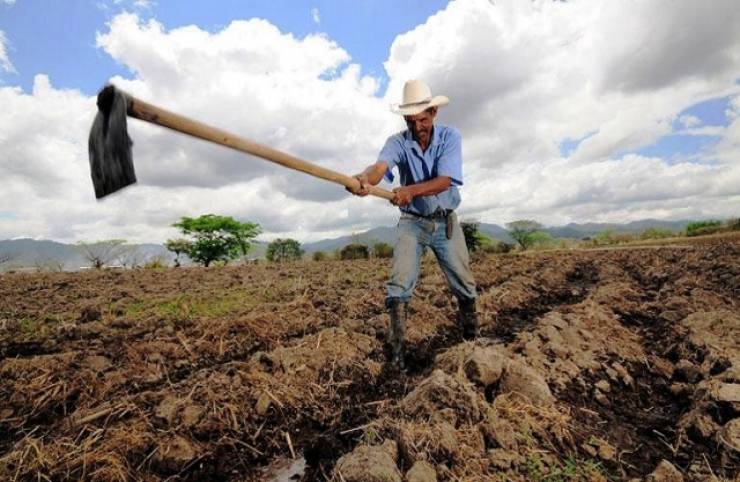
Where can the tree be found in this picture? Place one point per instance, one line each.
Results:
(354, 251)
(178, 246)
(526, 232)
(217, 238)
(101, 253)
(382, 250)
(474, 239)
(284, 250)
(470, 231)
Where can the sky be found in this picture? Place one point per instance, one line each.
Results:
(576, 111)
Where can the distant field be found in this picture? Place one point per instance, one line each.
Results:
(592, 365)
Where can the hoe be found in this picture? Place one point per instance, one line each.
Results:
(111, 161)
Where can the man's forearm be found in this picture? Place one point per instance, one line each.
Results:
(375, 172)
(431, 187)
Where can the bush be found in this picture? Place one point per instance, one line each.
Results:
(382, 250)
(354, 251)
(541, 239)
(697, 228)
(656, 233)
(319, 256)
(609, 236)
(155, 263)
(497, 247)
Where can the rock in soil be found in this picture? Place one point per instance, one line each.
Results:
(729, 436)
(97, 363)
(369, 464)
(441, 391)
(174, 454)
(526, 381)
(665, 472)
(421, 471)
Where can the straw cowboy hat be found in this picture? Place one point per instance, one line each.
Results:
(417, 97)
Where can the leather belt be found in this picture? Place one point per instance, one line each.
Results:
(438, 215)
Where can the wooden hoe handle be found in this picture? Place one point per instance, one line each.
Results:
(150, 113)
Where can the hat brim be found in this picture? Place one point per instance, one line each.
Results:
(436, 101)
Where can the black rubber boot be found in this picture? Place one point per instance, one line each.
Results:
(398, 311)
(467, 318)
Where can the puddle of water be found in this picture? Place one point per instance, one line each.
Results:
(285, 470)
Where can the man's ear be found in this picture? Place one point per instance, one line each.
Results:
(433, 111)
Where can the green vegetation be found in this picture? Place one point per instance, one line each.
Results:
(527, 233)
(657, 233)
(217, 238)
(28, 325)
(472, 235)
(476, 240)
(282, 250)
(354, 251)
(570, 470)
(178, 246)
(320, 256)
(186, 307)
(698, 228)
(382, 250)
(156, 263)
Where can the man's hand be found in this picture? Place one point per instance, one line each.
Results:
(403, 196)
(364, 188)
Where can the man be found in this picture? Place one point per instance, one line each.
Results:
(428, 158)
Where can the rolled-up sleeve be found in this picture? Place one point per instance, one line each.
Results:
(450, 159)
(391, 154)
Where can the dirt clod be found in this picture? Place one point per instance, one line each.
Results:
(370, 464)
(526, 381)
(421, 471)
(173, 454)
(665, 472)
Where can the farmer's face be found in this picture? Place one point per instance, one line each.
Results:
(421, 124)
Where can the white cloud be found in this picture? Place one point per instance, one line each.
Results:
(5, 63)
(689, 121)
(315, 15)
(9, 2)
(522, 76)
(248, 78)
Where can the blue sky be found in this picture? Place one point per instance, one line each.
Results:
(676, 146)
(58, 37)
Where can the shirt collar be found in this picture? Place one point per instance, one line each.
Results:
(410, 142)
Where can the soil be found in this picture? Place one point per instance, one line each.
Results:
(591, 365)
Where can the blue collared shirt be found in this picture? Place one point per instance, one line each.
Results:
(443, 157)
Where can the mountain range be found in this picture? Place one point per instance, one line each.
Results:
(572, 231)
(52, 255)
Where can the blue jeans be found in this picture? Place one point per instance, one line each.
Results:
(415, 234)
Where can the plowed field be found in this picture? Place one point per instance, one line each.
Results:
(592, 365)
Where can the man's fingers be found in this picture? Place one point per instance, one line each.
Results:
(363, 190)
